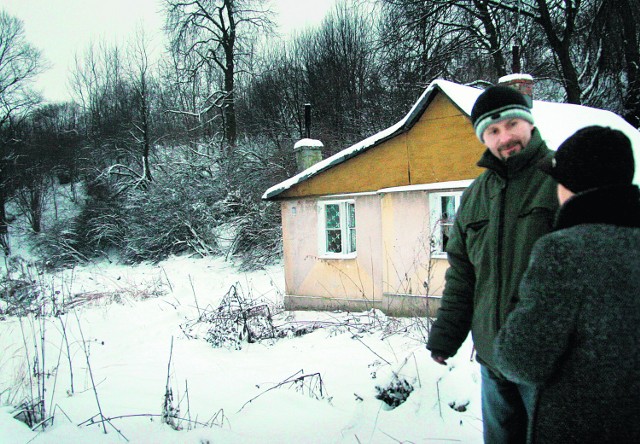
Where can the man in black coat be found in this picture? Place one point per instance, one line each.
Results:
(575, 332)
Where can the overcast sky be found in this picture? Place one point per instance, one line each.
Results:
(62, 28)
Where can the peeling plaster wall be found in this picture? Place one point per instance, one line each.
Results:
(391, 265)
(406, 241)
(308, 274)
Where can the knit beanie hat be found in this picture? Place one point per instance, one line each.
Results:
(593, 157)
(498, 103)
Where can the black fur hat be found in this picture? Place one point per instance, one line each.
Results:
(498, 103)
(593, 157)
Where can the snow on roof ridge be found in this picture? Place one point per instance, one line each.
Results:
(427, 186)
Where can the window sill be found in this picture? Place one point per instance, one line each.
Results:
(337, 256)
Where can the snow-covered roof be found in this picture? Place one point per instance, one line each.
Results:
(556, 122)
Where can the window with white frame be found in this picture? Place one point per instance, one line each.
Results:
(337, 228)
(443, 208)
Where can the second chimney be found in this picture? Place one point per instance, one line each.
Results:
(520, 82)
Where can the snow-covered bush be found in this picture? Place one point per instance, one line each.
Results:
(22, 289)
(395, 393)
(257, 232)
(170, 217)
(196, 202)
(59, 245)
(239, 318)
(99, 227)
(19, 297)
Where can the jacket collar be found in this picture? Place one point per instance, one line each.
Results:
(531, 154)
(615, 205)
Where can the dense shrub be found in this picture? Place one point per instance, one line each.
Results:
(58, 245)
(257, 231)
(175, 214)
(97, 228)
(100, 226)
(196, 203)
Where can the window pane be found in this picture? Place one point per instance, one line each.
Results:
(334, 241)
(443, 212)
(446, 230)
(332, 216)
(351, 226)
(352, 240)
(351, 211)
(448, 207)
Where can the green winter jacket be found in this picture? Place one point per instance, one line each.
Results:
(501, 215)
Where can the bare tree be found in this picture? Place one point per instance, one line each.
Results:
(20, 63)
(412, 41)
(141, 84)
(613, 42)
(190, 108)
(115, 89)
(272, 103)
(461, 40)
(492, 28)
(100, 86)
(562, 22)
(37, 159)
(344, 83)
(210, 33)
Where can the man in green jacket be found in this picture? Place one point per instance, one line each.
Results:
(501, 215)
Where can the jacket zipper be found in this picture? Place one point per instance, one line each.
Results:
(499, 258)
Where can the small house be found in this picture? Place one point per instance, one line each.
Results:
(367, 227)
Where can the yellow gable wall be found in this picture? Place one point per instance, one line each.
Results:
(440, 147)
(385, 165)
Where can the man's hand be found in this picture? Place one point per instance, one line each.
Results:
(439, 359)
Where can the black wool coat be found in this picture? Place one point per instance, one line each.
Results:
(575, 332)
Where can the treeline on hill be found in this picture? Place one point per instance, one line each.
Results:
(174, 155)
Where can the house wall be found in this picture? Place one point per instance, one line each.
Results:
(409, 273)
(391, 267)
(440, 147)
(313, 282)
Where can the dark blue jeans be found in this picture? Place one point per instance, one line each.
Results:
(506, 408)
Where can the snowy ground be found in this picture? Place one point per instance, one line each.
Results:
(132, 333)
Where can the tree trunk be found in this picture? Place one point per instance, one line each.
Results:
(229, 109)
(35, 208)
(4, 226)
(632, 64)
(492, 36)
(146, 148)
(569, 74)
(562, 48)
